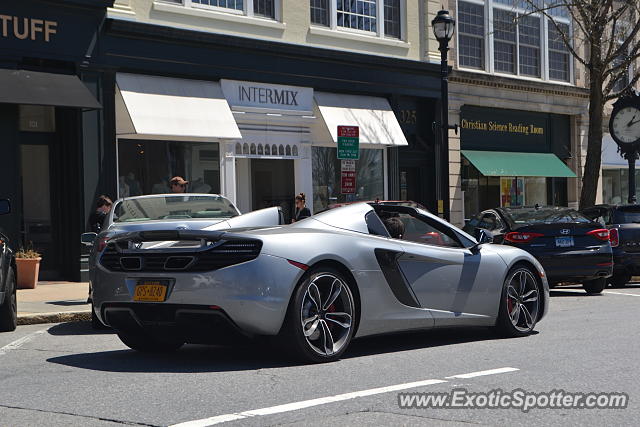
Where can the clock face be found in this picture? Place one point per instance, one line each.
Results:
(626, 124)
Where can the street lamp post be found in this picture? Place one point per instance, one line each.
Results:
(443, 28)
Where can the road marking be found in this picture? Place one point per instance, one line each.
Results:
(483, 373)
(20, 342)
(621, 293)
(294, 406)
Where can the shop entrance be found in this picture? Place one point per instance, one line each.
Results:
(273, 184)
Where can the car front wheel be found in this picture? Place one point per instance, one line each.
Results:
(321, 316)
(520, 303)
(595, 286)
(9, 308)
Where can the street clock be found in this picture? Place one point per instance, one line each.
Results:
(624, 125)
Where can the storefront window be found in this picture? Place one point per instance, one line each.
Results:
(145, 167)
(615, 186)
(486, 192)
(369, 183)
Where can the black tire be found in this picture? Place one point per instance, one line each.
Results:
(595, 286)
(620, 280)
(146, 343)
(521, 326)
(9, 308)
(332, 317)
(96, 323)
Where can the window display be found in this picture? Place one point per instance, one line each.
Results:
(145, 167)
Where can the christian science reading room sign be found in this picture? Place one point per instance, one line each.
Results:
(504, 130)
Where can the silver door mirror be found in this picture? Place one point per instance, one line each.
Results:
(88, 239)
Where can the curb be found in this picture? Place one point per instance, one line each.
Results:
(59, 317)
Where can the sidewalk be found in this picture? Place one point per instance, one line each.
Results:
(52, 302)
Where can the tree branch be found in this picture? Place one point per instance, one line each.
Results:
(565, 37)
(629, 86)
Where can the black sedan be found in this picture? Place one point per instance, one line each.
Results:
(623, 222)
(8, 301)
(570, 246)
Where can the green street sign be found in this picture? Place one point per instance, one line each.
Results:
(348, 142)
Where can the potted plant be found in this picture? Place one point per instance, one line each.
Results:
(28, 263)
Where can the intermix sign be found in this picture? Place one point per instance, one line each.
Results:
(348, 142)
(268, 96)
(347, 177)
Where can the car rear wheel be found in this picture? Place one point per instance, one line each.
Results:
(9, 308)
(148, 344)
(321, 316)
(619, 280)
(520, 303)
(595, 286)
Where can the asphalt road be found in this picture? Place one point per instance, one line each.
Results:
(67, 374)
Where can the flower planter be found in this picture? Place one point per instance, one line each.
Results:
(28, 270)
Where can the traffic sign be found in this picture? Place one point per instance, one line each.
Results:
(348, 142)
(347, 177)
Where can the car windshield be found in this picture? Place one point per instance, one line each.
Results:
(544, 216)
(627, 215)
(166, 207)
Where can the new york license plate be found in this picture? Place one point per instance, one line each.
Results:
(151, 290)
(564, 242)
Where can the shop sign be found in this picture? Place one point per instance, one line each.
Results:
(42, 29)
(495, 129)
(268, 96)
(347, 177)
(348, 142)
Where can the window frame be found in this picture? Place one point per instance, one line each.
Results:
(380, 31)
(489, 51)
(247, 9)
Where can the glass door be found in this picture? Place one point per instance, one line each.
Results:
(36, 201)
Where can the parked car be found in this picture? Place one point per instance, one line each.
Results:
(315, 284)
(570, 246)
(623, 222)
(8, 298)
(166, 211)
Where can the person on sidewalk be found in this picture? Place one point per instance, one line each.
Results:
(302, 211)
(178, 184)
(96, 219)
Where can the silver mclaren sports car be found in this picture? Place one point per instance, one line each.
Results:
(349, 272)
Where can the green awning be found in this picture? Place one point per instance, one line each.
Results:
(501, 163)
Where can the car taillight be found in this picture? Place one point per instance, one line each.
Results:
(516, 237)
(600, 234)
(614, 237)
(102, 243)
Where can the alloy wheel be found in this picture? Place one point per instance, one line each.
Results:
(522, 300)
(327, 314)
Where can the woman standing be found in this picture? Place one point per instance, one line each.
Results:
(96, 219)
(302, 211)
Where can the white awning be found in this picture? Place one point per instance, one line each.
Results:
(611, 159)
(151, 107)
(377, 122)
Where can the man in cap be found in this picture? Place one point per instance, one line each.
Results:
(178, 184)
